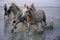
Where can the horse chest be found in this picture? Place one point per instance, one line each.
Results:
(31, 20)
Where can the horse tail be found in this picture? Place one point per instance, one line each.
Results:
(44, 18)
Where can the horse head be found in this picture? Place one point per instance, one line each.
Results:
(28, 10)
(9, 10)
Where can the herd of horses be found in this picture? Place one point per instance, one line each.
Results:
(29, 15)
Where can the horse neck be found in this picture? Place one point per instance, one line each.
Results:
(18, 12)
(14, 9)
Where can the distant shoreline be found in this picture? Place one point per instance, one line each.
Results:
(40, 7)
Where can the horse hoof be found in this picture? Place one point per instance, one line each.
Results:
(5, 14)
(14, 21)
(15, 27)
(12, 31)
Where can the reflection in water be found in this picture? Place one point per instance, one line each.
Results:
(7, 24)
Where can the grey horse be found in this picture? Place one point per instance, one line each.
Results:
(33, 16)
(16, 14)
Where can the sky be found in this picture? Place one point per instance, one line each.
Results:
(37, 3)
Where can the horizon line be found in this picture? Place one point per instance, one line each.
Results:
(43, 6)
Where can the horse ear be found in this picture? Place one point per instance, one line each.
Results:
(25, 5)
(32, 5)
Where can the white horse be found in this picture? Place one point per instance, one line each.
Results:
(33, 16)
(16, 14)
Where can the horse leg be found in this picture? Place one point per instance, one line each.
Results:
(14, 27)
(12, 30)
(14, 20)
(18, 21)
(44, 20)
(16, 24)
(6, 14)
(28, 22)
(42, 23)
(29, 33)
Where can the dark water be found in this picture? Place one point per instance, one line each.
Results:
(52, 15)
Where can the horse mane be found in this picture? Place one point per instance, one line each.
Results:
(16, 7)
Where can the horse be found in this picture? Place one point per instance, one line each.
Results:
(5, 10)
(33, 16)
(17, 15)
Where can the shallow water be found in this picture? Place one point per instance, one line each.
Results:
(52, 15)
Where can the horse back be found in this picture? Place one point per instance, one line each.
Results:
(30, 20)
(38, 15)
